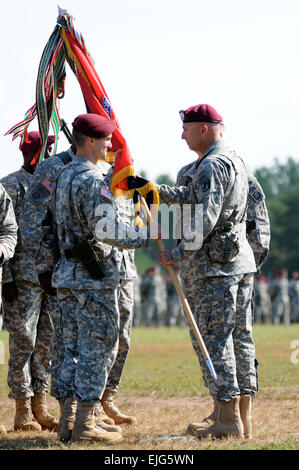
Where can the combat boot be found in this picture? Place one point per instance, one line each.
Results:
(2, 429)
(67, 419)
(208, 421)
(24, 420)
(101, 415)
(86, 430)
(41, 414)
(113, 412)
(245, 413)
(228, 421)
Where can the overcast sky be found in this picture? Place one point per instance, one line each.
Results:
(155, 58)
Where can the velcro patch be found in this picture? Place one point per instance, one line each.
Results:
(256, 195)
(39, 193)
(105, 193)
(48, 184)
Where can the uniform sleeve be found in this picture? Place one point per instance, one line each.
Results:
(206, 194)
(35, 207)
(99, 213)
(8, 227)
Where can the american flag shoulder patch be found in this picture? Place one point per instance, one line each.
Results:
(48, 184)
(105, 193)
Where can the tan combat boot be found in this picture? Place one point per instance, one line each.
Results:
(2, 429)
(86, 430)
(208, 421)
(101, 415)
(24, 420)
(67, 419)
(245, 413)
(41, 414)
(228, 421)
(113, 412)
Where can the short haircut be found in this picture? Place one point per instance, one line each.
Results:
(78, 138)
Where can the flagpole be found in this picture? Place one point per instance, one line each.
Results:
(183, 299)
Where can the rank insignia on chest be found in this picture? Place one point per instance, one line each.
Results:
(105, 193)
(48, 184)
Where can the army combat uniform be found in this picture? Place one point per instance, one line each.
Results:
(217, 266)
(8, 236)
(36, 229)
(83, 210)
(27, 319)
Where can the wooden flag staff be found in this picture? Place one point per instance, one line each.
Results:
(183, 299)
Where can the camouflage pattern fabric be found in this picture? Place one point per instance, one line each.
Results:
(294, 300)
(175, 313)
(218, 183)
(262, 303)
(8, 227)
(30, 329)
(219, 293)
(125, 296)
(280, 301)
(77, 199)
(153, 300)
(222, 310)
(27, 320)
(137, 301)
(90, 323)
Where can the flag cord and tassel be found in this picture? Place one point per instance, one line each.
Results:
(183, 299)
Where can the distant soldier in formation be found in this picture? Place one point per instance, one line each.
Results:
(294, 297)
(154, 298)
(279, 292)
(27, 312)
(175, 314)
(137, 301)
(8, 236)
(262, 300)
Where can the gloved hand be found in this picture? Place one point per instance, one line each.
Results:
(10, 292)
(45, 283)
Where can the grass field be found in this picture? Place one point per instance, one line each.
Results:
(162, 386)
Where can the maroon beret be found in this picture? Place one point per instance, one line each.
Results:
(201, 113)
(33, 145)
(94, 125)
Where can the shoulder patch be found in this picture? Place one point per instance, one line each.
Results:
(39, 193)
(105, 193)
(254, 192)
(48, 184)
(205, 185)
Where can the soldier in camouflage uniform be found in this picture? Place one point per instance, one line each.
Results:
(8, 236)
(37, 228)
(153, 292)
(87, 228)
(175, 313)
(217, 267)
(294, 297)
(137, 301)
(262, 300)
(125, 297)
(26, 313)
(279, 292)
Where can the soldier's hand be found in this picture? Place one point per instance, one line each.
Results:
(10, 292)
(45, 283)
(165, 258)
